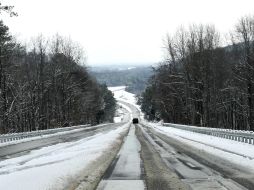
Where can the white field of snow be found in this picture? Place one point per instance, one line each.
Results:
(234, 151)
(51, 167)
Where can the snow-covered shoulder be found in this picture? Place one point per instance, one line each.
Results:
(234, 151)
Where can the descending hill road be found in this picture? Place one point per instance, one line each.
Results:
(125, 156)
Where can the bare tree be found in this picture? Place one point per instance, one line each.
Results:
(245, 36)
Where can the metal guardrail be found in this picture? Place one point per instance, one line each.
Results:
(237, 135)
(24, 135)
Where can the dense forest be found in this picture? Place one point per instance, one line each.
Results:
(46, 85)
(135, 78)
(202, 83)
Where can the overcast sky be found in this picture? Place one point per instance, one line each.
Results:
(121, 31)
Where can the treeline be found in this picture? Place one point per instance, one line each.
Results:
(201, 83)
(45, 86)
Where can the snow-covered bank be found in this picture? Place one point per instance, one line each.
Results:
(54, 167)
(234, 151)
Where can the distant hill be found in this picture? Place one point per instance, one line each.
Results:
(135, 77)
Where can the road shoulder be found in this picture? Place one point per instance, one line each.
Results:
(218, 164)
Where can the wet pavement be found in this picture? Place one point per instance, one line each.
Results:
(126, 171)
(196, 175)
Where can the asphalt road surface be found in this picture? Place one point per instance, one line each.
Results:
(23, 148)
(192, 171)
(163, 163)
(126, 172)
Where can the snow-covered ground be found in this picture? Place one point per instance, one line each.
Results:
(123, 113)
(54, 166)
(119, 115)
(117, 119)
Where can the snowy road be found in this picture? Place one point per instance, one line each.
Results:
(192, 168)
(126, 172)
(21, 148)
(176, 159)
(64, 164)
(128, 157)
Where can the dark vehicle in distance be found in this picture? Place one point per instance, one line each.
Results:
(135, 120)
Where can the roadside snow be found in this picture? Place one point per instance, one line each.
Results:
(125, 107)
(117, 119)
(234, 151)
(51, 167)
(118, 116)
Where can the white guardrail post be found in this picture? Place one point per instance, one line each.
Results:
(18, 136)
(237, 135)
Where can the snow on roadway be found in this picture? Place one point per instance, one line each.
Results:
(52, 167)
(234, 151)
(121, 94)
